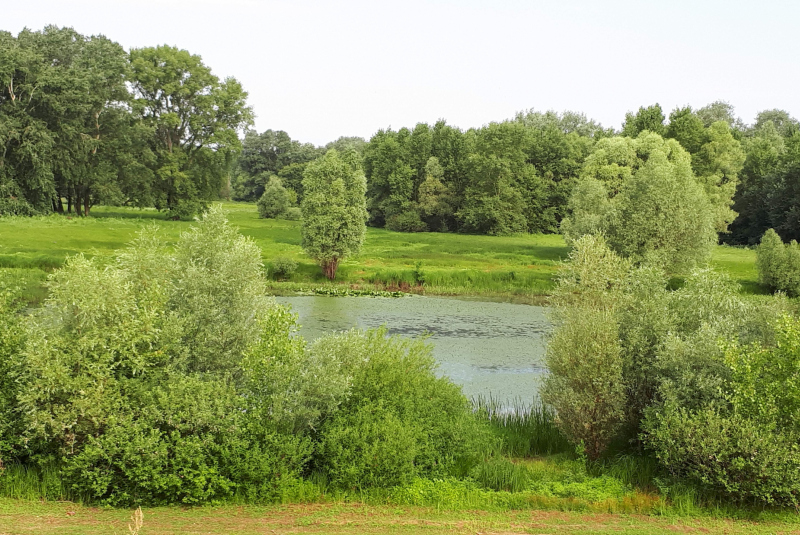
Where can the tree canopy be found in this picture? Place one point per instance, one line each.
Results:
(334, 209)
(84, 121)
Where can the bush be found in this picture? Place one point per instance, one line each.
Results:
(745, 447)
(585, 385)
(370, 446)
(275, 201)
(779, 264)
(734, 456)
(131, 376)
(409, 221)
(12, 342)
(283, 267)
(184, 210)
(395, 391)
(14, 206)
(293, 213)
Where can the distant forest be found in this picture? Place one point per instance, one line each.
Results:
(84, 122)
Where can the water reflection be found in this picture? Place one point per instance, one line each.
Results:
(488, 348)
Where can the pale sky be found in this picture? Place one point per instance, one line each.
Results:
(320, 70)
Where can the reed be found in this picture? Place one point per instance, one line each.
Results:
(526, 429)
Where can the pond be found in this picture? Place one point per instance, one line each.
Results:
(488, 348)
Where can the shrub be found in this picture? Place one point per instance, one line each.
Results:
(12, 342)
(395, 391)
(409, 221)
(293, 213)
(734, 456)
(131, 376)
(779, 264)
(275, 200)
(585, 385)
(184, 210)
(283, 267)
(289, 386)
(14, 206)
(370, 446)
(746, 446)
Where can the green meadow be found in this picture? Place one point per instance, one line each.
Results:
(516, 268)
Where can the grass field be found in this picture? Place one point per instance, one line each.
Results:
(510, 267)
(340, 518)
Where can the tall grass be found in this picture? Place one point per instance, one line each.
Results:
(527, 429)
(23, 482)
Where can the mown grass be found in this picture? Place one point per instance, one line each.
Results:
(516, 268)
(24, 517)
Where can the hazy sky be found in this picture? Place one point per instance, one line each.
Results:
(319, 70)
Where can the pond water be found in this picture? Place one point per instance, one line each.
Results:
(488, 348)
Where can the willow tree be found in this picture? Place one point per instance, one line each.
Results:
(334, 209)
(643, 196)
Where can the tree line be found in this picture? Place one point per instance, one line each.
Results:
(84, 122)
(519, 175)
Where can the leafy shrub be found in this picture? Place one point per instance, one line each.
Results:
(283, 267)
(12, 342)
(293, 213)
(291, 386)
(370, 446)
(664, 342)
(735, 456)
(395, 390)
(585, 385)
(275, 200)
(131, 376)
(185, 210)
(779, 264)
(746, 446)
(408, 221)
(10, 206)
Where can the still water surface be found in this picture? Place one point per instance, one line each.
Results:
(488, 348)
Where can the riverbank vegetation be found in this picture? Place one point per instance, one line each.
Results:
(152, 396)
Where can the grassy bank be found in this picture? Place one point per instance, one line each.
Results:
(516, 268)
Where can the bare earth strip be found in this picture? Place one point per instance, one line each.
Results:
(67, 518)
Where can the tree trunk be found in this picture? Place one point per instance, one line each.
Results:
(330, 267)
(77, 202)
(86, 205)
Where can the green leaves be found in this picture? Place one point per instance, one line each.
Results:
(654, 209)
(334, 210)
(195, 118)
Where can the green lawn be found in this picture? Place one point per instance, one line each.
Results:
(513, 267)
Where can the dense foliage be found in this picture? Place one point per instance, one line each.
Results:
(333, 209)
(170, 376)
(779, 264)
(643, 196)
(701, 376)
(83, 121)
